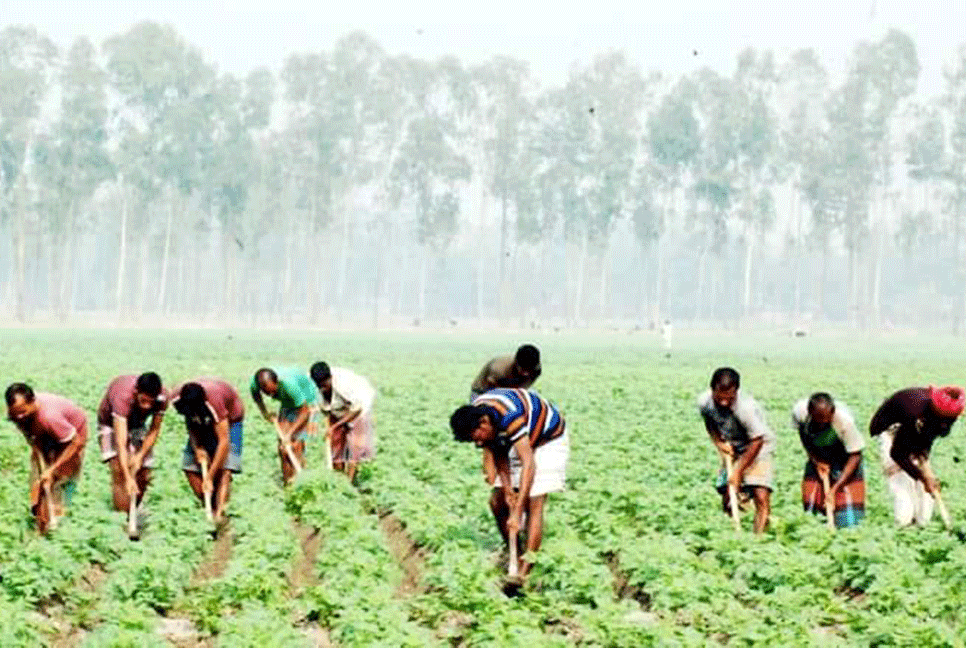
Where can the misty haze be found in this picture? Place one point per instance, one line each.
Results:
(359, 187)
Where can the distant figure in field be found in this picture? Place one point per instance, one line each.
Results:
(517, 371)
(525, 438)
(834, 448)
(737, 428)
(346, 398)
(213, 414)
(907, 424)
(667, 332)
(297, 412)
(56, 431)
(127, 444)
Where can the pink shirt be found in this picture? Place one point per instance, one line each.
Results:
(58, 418)
(222, 399)
(120, 401)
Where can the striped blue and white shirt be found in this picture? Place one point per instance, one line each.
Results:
(519, 412)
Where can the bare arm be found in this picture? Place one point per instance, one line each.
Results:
(489, 466)
(724, 448)
(120, 438)
(855, 458)
(221, 452)
(525, 452)
(257, 397)
(149, 440)
(907, 461)
(73, 447)
(289, 428)
(502, 466)
(747, 458)
(350, 416)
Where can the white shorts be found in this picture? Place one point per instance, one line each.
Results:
(551, 459)
(135, 438)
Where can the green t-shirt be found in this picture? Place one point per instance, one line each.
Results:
(295, 388)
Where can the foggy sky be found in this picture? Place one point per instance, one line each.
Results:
(239, 35)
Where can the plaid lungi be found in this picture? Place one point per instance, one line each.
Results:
(849, 500)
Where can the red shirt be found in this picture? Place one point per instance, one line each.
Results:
(58, 419)
(222, 399)
(120, 400)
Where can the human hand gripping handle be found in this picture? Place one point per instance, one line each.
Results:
(732, 490)
(829, 498)
(287, 445)
(932, 487)
(45, 480)
(206, 485)
(513, 531)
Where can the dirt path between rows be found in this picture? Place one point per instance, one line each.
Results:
(303, 570)
(68, 635)
(214, 564)
(179, 630)
(410, 557)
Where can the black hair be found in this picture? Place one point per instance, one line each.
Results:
(464, 422)
(263, 373)
(191, 399)
(528, 357)
(320, 372)
(19, 389)
(821, 399)
(725, 378)
(149, 384)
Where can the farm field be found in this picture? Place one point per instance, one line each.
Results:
(636, 552)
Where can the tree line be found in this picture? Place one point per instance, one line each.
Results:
(139, 184)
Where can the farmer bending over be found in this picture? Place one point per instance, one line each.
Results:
(213, 414)
(834, 448)
(525, 437)
(520, 370)
(127, 445)
(297, 397)
(346, 398)
(56, 431)
(738, 430)
(907, 423)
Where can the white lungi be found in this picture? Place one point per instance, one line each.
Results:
(551, 474)
(911, 503)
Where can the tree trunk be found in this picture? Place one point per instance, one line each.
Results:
(343, 260)
(503, 254)
(423, 271)
(581, 270)
(66, 259)
(377, 279)
(166, 255)
(879, 244)
(121, 254)
(958, 215)
(604, 278)
(796, 209)
(699, 293)
(749, 255)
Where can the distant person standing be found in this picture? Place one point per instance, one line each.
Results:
(56, 431)
(737, 428)
(298, 401)
(346, 398)
(667, 332)
(213, 414)
(834, 448)
(907, 424)
(517, 371)
(127, 444)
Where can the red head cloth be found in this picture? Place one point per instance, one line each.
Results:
(947, 401)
